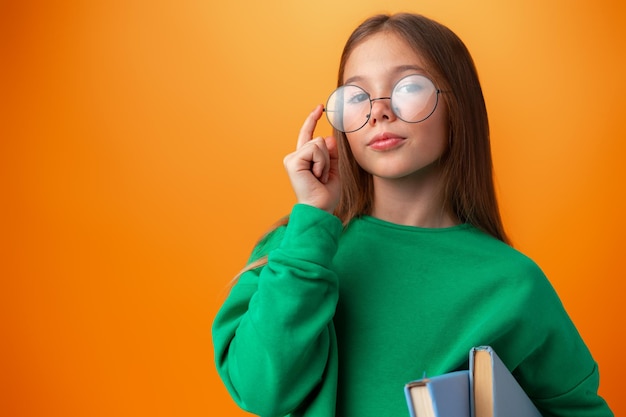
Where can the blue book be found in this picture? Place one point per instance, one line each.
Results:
(495, 391)
(487, 389)
(446, 395)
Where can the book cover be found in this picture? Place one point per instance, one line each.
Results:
(494, 390)
(446, 395)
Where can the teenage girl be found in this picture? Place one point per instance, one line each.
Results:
(394, 261)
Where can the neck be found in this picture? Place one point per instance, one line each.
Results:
(411, 202)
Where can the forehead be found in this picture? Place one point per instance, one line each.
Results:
(380, 56)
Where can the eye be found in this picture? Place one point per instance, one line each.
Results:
(413, 86)
(357, 98)
(410, 88)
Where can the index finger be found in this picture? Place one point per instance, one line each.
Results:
(308, 127)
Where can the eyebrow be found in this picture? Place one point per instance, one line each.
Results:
(395, 71)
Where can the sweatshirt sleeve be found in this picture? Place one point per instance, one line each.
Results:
(563, 372)
(552, 363)
(273, 335)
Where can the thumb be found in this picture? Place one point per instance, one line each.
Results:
(331, 144)
(333, 157)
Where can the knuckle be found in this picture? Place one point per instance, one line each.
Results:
(287, 159)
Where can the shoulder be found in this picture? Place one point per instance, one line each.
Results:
(506, 263)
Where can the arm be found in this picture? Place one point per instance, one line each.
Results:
(553, 362)
(273, 335)
(563, 371)
(275, 346)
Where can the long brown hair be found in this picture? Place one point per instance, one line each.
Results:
(467, 167)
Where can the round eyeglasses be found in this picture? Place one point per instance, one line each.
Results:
(413, 99)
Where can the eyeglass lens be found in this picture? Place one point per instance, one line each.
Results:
(413, 99)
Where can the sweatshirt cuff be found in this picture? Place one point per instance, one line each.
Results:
(312, 234)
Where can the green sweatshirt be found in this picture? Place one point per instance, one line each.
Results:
(339, 320)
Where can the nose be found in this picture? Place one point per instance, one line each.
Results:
(381, 110)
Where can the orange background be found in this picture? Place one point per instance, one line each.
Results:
(141, 149)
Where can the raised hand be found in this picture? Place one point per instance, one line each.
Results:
(313, 167)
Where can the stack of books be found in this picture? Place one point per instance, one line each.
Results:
(487, 389)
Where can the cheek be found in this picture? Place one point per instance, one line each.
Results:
(437, 127)
(442, 117)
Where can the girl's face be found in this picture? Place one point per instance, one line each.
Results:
(388, 147)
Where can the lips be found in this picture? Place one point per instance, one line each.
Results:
(385, 141)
